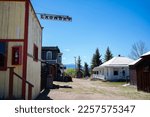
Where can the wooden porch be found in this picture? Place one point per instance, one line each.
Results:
(11, 78)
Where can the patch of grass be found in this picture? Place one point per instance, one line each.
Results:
(129, 92)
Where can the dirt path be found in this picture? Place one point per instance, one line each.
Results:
(82, 89)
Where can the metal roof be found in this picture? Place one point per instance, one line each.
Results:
(138, 60)
(116, 62)
(146, 54)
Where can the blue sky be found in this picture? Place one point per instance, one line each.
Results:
(96, 24)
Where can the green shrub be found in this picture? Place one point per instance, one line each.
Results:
(70, 72)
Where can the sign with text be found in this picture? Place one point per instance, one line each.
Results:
(55, 17)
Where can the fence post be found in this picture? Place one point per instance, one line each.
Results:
(11, 73)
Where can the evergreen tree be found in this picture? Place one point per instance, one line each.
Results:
(98, 56)
(93, 64)
(86, 70)
(96, 61)
(108, 55)
(79, 64)
(79, 68)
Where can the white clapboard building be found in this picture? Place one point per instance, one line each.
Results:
(115, 69)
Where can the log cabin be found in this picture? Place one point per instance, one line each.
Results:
(20, 50)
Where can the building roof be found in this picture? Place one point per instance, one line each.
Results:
(116, 62)
(50, 48)
(140, 59)
(146, 54)
(136, 61)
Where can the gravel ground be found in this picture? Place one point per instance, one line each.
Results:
(86, 89)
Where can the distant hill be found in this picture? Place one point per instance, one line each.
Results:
(70, 66)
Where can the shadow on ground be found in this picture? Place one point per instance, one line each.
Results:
(59, 86)
(43, 95)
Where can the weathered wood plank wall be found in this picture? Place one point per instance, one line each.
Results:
(34, 67)
(12, 20)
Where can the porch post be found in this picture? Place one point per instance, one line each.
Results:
(11, 73)
(29, 92)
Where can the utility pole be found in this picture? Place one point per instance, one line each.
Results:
(75, 66)
(75, 63)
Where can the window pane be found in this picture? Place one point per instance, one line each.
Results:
(49, 55)
(115, 73)
(2, 54)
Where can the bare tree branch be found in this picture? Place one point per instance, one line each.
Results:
(137, 50)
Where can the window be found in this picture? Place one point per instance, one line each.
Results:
(35, 53)
(49, 55)
(3, 55)
(115, 73)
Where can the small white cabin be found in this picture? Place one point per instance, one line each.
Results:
(113, 70)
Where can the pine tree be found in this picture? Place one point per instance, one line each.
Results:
(79, 64)
(96, 61)
(79, 68)
(97, 57)
(86, 70)
(108, 55)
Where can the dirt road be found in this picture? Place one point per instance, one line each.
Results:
(85, 89)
